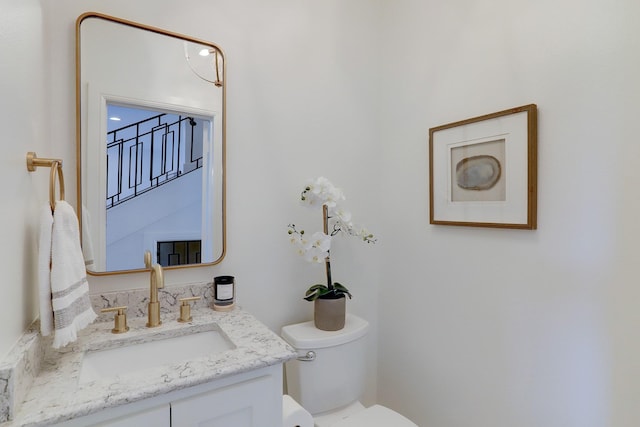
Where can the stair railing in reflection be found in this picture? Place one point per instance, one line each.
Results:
(152, 152)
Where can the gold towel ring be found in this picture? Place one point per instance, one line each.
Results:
(55, 167)
(33, 162)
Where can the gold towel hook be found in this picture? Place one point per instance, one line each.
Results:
(33, 162)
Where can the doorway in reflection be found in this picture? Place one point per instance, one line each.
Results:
(181, 252)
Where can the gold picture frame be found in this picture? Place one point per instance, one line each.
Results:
(483, 170)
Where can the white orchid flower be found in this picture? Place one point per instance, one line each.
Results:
(295, 239)
(343, 215)
(316, 255)
(321, 192)
(321, 241)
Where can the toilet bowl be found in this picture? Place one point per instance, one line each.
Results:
(374, 416)
(328, 377)
(358, 416)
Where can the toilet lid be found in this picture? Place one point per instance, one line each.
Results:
(375, 416)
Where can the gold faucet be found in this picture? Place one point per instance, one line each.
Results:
(157, 282)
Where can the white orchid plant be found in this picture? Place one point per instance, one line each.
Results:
(320, 193)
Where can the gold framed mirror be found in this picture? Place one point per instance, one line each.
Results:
(150, 146)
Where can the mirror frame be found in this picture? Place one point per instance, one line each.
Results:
(160, 31)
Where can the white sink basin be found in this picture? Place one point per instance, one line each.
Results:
(135, 357)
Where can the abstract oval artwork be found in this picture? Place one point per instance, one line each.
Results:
(478, 172)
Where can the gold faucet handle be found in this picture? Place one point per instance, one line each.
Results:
(120, 319)
(185, 309)
(147, 259)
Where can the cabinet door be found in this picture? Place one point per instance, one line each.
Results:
(154, 417)
(253, 403)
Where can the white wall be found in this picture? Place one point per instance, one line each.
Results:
(22, 120)
(515, 328)
(477, 327)
(299, 106)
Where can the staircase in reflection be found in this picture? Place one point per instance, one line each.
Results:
(150, 153)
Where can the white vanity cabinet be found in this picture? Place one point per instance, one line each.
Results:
(248, 404)
(156, 417)
(249, 399)
(239, 386)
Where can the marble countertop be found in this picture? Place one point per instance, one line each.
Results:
(56, 394)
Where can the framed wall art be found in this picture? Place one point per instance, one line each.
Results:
(483, 170)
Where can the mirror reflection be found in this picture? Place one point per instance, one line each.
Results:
(150, 146)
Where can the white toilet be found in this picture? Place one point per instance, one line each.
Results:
(328, 376)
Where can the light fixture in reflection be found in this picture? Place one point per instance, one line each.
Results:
(114, 118)
(216, 64)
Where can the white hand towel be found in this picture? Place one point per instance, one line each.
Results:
(70, 291)
(44, 271)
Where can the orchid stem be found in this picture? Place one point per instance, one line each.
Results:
(327, 263)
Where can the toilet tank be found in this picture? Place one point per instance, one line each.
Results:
(336, 375)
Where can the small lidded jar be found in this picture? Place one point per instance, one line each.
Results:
(223, 293)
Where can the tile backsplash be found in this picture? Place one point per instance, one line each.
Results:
(136, 300)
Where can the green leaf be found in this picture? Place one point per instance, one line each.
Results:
(341, 289)
(320, 290)
(316, 291)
